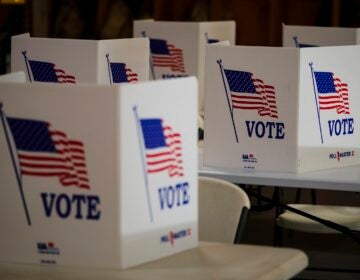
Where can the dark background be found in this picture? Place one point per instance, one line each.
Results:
(258, 22)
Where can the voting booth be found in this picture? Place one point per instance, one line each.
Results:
(13, 77)
(178, 48)
(316, 36)
(80, 61)
(281, 109)
(93, 175)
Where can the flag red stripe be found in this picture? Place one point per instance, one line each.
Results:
(67, 162)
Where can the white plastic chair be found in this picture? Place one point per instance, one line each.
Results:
(347, 217)
(223, 208)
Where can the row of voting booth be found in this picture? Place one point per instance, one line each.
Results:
(102, 169)
(281, 109)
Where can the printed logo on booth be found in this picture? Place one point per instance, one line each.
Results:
(48, 248)
(249, 158)
(339, 155)
(172, 236)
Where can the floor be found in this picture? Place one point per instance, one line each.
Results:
(330, 251)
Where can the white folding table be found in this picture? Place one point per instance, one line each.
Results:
(208, 261)
(340, 179)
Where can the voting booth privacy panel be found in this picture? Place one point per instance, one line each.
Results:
(281, 109)
(13, 77)
(316, 36)
(81, 61)
(98, 176)
(177, 49)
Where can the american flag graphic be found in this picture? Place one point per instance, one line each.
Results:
(332, 92)
(210, 40)
(45, 152)
(249, 93)
(122, 74)
(47, 72)
(163, 150)
(302, 45)
(164, 54)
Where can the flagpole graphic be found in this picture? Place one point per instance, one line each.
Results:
(17, 172)
(231, 110)
(141, 146)
(206, 37)
(316, 100)
(143, 33)
(109, 68)
(296, 42)
(27, 65)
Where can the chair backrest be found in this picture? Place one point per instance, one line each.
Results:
(222, 210)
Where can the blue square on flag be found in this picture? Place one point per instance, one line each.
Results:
(153, 133)
(212, 41)
(30, 135)
(159, 46)
(240, 81)
(43, 71)
(118, 72)
(325, 82)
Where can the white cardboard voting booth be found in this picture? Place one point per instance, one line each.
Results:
(102, 176)
(80, 61)
(178, 48)
(315, 36)
(282, 109)
(13, 77)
